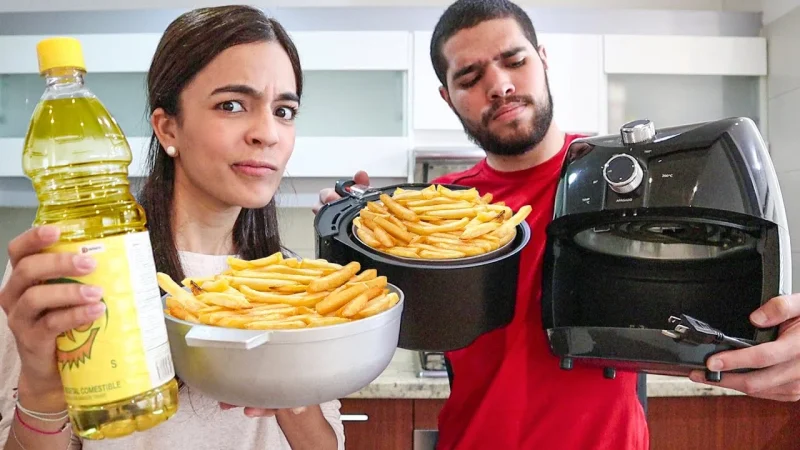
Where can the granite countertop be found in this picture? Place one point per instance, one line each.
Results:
(400, 380)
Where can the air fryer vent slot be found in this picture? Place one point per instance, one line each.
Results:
(335, 221)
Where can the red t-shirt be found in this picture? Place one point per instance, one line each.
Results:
(508, 390)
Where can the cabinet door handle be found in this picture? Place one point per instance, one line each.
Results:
(354, 417)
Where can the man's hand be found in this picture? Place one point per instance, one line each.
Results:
(778, 377)
(328, 195)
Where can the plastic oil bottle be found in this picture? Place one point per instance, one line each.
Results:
(117, 372)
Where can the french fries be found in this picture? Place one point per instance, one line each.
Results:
(437, 223)
(276, 293)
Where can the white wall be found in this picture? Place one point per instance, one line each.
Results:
(783, 37)
(774, 9)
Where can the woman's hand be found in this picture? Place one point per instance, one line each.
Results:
(305, 428)
(260, 412)
(38, 312)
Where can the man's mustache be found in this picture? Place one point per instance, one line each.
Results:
(497, 104)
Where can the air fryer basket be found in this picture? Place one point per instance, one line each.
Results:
(448, 303)
(598, 324)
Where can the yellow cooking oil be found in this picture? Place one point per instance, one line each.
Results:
(117, 372)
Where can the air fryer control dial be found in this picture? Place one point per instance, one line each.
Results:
(638, 131)
(623, 173)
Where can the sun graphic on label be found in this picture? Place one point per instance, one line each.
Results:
(74, 347)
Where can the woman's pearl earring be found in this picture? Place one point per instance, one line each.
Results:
(171, 151)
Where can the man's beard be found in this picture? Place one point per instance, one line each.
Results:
(521, 143)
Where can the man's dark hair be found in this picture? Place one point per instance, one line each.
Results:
(469, 13)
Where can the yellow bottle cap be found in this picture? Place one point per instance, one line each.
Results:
(60, 52)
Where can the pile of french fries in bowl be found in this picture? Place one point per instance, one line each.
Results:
(438, 224)
(282, 332)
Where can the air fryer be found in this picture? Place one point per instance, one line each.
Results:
(448, 303)
(663, 242)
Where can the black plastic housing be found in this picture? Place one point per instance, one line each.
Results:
(703, 234)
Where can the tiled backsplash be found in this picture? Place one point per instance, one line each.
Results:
(296, 226)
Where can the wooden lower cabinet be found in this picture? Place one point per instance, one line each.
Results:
(724, 423)
(426, 414)
(676, 423)
(378, 424)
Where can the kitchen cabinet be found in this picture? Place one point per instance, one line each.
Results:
(576, 80)
(378, 424)
(354, 112)
(575, 75)
(370, 112)
(670, 100)
(722, 422)
(685, 55)
(675, 423)
(426, 414)
(674, 80)
(387, 424)
(600, 82)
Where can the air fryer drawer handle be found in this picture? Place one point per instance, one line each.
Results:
(354, 417)
(349, 188)
(342, 187)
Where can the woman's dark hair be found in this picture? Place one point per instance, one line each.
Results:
(190, 43)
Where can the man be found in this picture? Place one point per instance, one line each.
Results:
(508, 391)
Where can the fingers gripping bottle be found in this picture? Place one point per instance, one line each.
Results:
(117, 371)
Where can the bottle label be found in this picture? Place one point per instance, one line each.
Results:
(126, 351)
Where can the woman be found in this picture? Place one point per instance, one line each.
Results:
(224, 88)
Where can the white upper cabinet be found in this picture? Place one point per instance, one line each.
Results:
(116, 53)
(371, 96)
(429, 110)
(576, 80)
(354, 111)
(685, 55)
(575, 75)
(132, 52)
